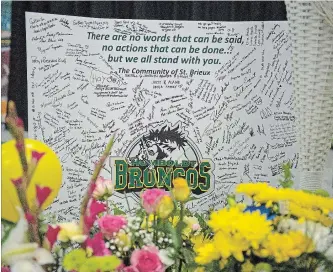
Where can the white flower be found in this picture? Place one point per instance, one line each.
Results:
(164, 255)
(320, 235)
(329, 253)
(104, 188)
(21, 255)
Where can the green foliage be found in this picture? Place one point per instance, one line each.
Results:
(6, 228)
(286, 181)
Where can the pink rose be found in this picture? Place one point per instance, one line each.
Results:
(150, 199)
(147, 260)
(130, 269)
(111, 224)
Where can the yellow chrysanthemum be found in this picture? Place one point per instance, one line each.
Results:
(74, 259)
(314, 215)
(206, 254)
(100, 263)
(298, 203)
(199, 241)
(263, 193)
(251, 226)
(235, 233)
(283, 246)
(223, 263)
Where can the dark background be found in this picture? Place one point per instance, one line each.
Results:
(155, 10)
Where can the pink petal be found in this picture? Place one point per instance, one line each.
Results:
(19, 146)
(96, 207)
(97, 245)
(17, 182)
(88, 222)
(37, 155)
(19, 122)
(5, 269)
(51, 235)
(30, 217)
(42, 194)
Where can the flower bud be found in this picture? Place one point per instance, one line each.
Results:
(181, 190)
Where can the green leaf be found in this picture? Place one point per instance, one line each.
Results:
(201, 220)
(174, 235)
(189, 255)
(118, 211)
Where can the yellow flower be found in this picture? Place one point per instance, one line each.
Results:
(74, 259)
(100, 263)
(150, 222)
(199, 269)
(71, 232)
(314, 215)
(206, 254)
(124, 239)
(223, 263)
(247, 266)
(294, 202)
(237, 232)
(283, 246)
(263, 193)
(181, 191)
(165, 207)
(192, 225)
(198, 241)
(174, 220)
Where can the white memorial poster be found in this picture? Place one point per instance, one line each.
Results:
(207, 101)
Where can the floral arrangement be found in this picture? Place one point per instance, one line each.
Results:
(282, 230)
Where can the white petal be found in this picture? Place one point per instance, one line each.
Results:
(79, 238)
(26, 266)
(329, 253)
(18, 233)
(43, 256)
(163, 254)
(16, 253)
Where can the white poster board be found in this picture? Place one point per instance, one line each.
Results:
(210, 101)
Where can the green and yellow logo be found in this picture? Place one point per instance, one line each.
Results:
(159, 156)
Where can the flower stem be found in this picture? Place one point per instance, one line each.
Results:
(15, 126)
(94, 177)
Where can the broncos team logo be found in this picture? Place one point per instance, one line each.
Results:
(158, 156)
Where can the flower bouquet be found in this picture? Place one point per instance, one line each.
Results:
(282, 230)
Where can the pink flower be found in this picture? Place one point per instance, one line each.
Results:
(36, 156)
(94, 208)
(150, 199)
(130, 269)
(147, 260)
(29, 217)
(96, 245)
(42, 194)
(51, 235)
(111, 224)
(5, 269)
(17, 182)
(195, 227)
(103, 189)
